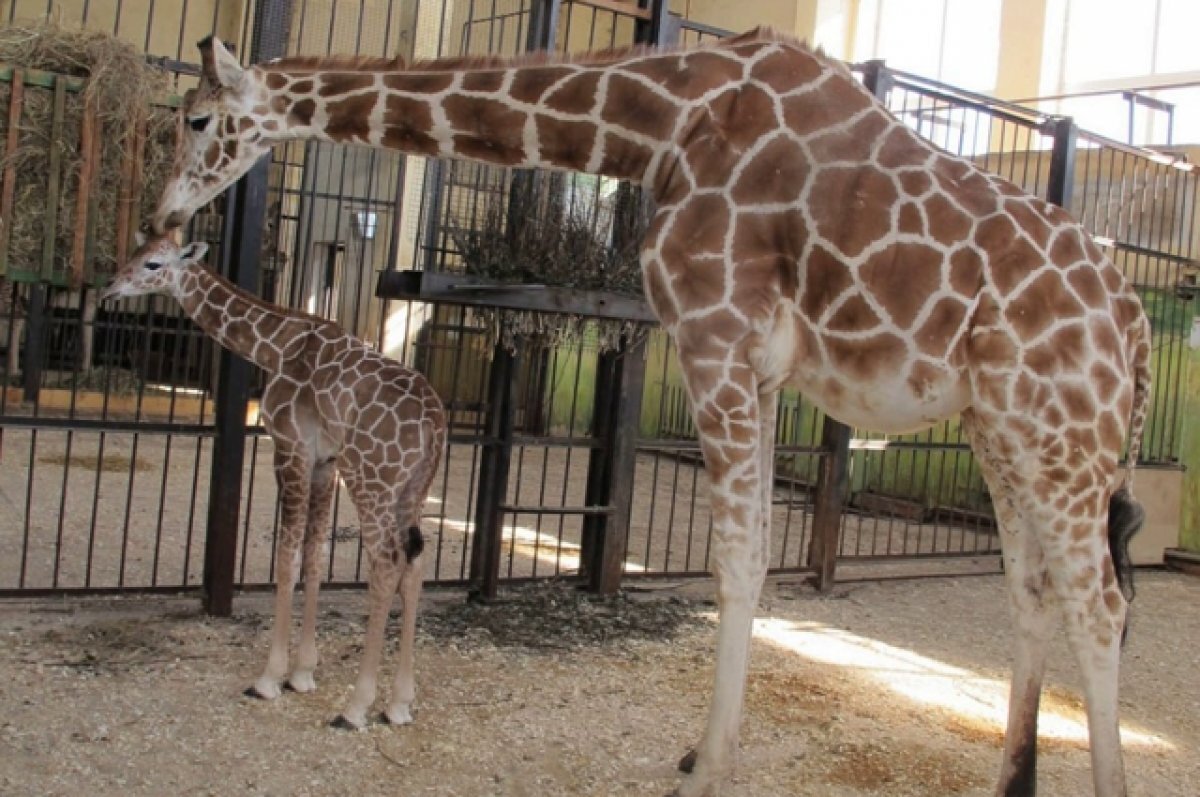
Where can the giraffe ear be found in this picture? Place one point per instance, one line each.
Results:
(219, 66)
(193, 252)
(139, 238)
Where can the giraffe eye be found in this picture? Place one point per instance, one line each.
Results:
(199, 123)
(153, 265)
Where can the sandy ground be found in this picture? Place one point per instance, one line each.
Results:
(882, 688)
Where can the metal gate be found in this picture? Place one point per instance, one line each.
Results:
(144, 467)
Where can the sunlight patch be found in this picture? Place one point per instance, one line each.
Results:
(981, 700)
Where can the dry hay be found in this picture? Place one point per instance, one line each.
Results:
(123, 88)
(109, 463)
(556, 615)
(539, 238)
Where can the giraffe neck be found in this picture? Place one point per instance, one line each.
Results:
(241, 322)
(596, 118)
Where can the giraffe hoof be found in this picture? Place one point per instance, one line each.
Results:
(343, 724)
(688, 762)
(401, 716)
(254, 693)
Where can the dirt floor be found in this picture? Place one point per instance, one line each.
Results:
(882, 688)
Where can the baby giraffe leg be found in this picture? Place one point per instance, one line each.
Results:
(292, 474)
(383, 576)
(320, 504)
(404, 690)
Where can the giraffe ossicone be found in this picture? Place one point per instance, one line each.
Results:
(802, 236)
(333, 406)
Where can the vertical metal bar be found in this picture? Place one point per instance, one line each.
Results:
(1060, 183)
(493, 479)
(243, 234)
(830, 494)
(620, 414)
(35, 341)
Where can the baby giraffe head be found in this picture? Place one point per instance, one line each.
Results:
(155, 267)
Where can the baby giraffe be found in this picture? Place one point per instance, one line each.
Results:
(333, 406)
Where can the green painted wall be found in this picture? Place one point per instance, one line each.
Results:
(1189, 526)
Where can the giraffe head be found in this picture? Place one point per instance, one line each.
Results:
(221, 135)
(155, 267)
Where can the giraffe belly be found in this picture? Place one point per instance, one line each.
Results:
(895, 404)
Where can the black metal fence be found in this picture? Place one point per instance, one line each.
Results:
(143, 467)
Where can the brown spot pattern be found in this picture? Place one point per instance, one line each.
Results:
(576, 95)
(945, 319)
(529, 85)
(852, 207)
(825, 278)
(301, 112)
(901, 278)
(624, 158)
(632, 106)
(407, 124)
(350, 119)
(787, 69)
(489, 80)
(565, 143)
(777, 175)
(341, 83)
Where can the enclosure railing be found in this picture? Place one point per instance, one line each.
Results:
(132, 481)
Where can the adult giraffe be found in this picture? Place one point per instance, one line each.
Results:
(802, 236)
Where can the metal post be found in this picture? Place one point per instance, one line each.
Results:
(543, 24)
(494, 463)
(620, 380)
(36, 332)
(1060, 183)
(662, 27)
(829, 498)
(241, 247)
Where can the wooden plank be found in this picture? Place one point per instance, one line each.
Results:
(9, 186)
(124, 206)
(45, 80)
(430, 286)
(50, 222)
(137, 176)
(87, 172)
(93, 215)
(40, 78)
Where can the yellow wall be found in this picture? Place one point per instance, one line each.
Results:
(223, 17)
(1022, 23)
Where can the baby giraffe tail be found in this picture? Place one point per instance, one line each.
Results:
(1125, 514)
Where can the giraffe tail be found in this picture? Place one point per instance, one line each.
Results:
(1125, 514)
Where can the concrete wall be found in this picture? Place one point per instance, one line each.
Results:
(1160, 492)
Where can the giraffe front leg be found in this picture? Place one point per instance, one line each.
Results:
(268, 685)
(292, 475)
(319, 506)
(733, 435)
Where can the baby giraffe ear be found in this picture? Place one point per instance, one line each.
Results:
(193, 252)
(139, 238)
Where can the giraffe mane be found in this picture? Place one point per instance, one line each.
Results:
(352, 63)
